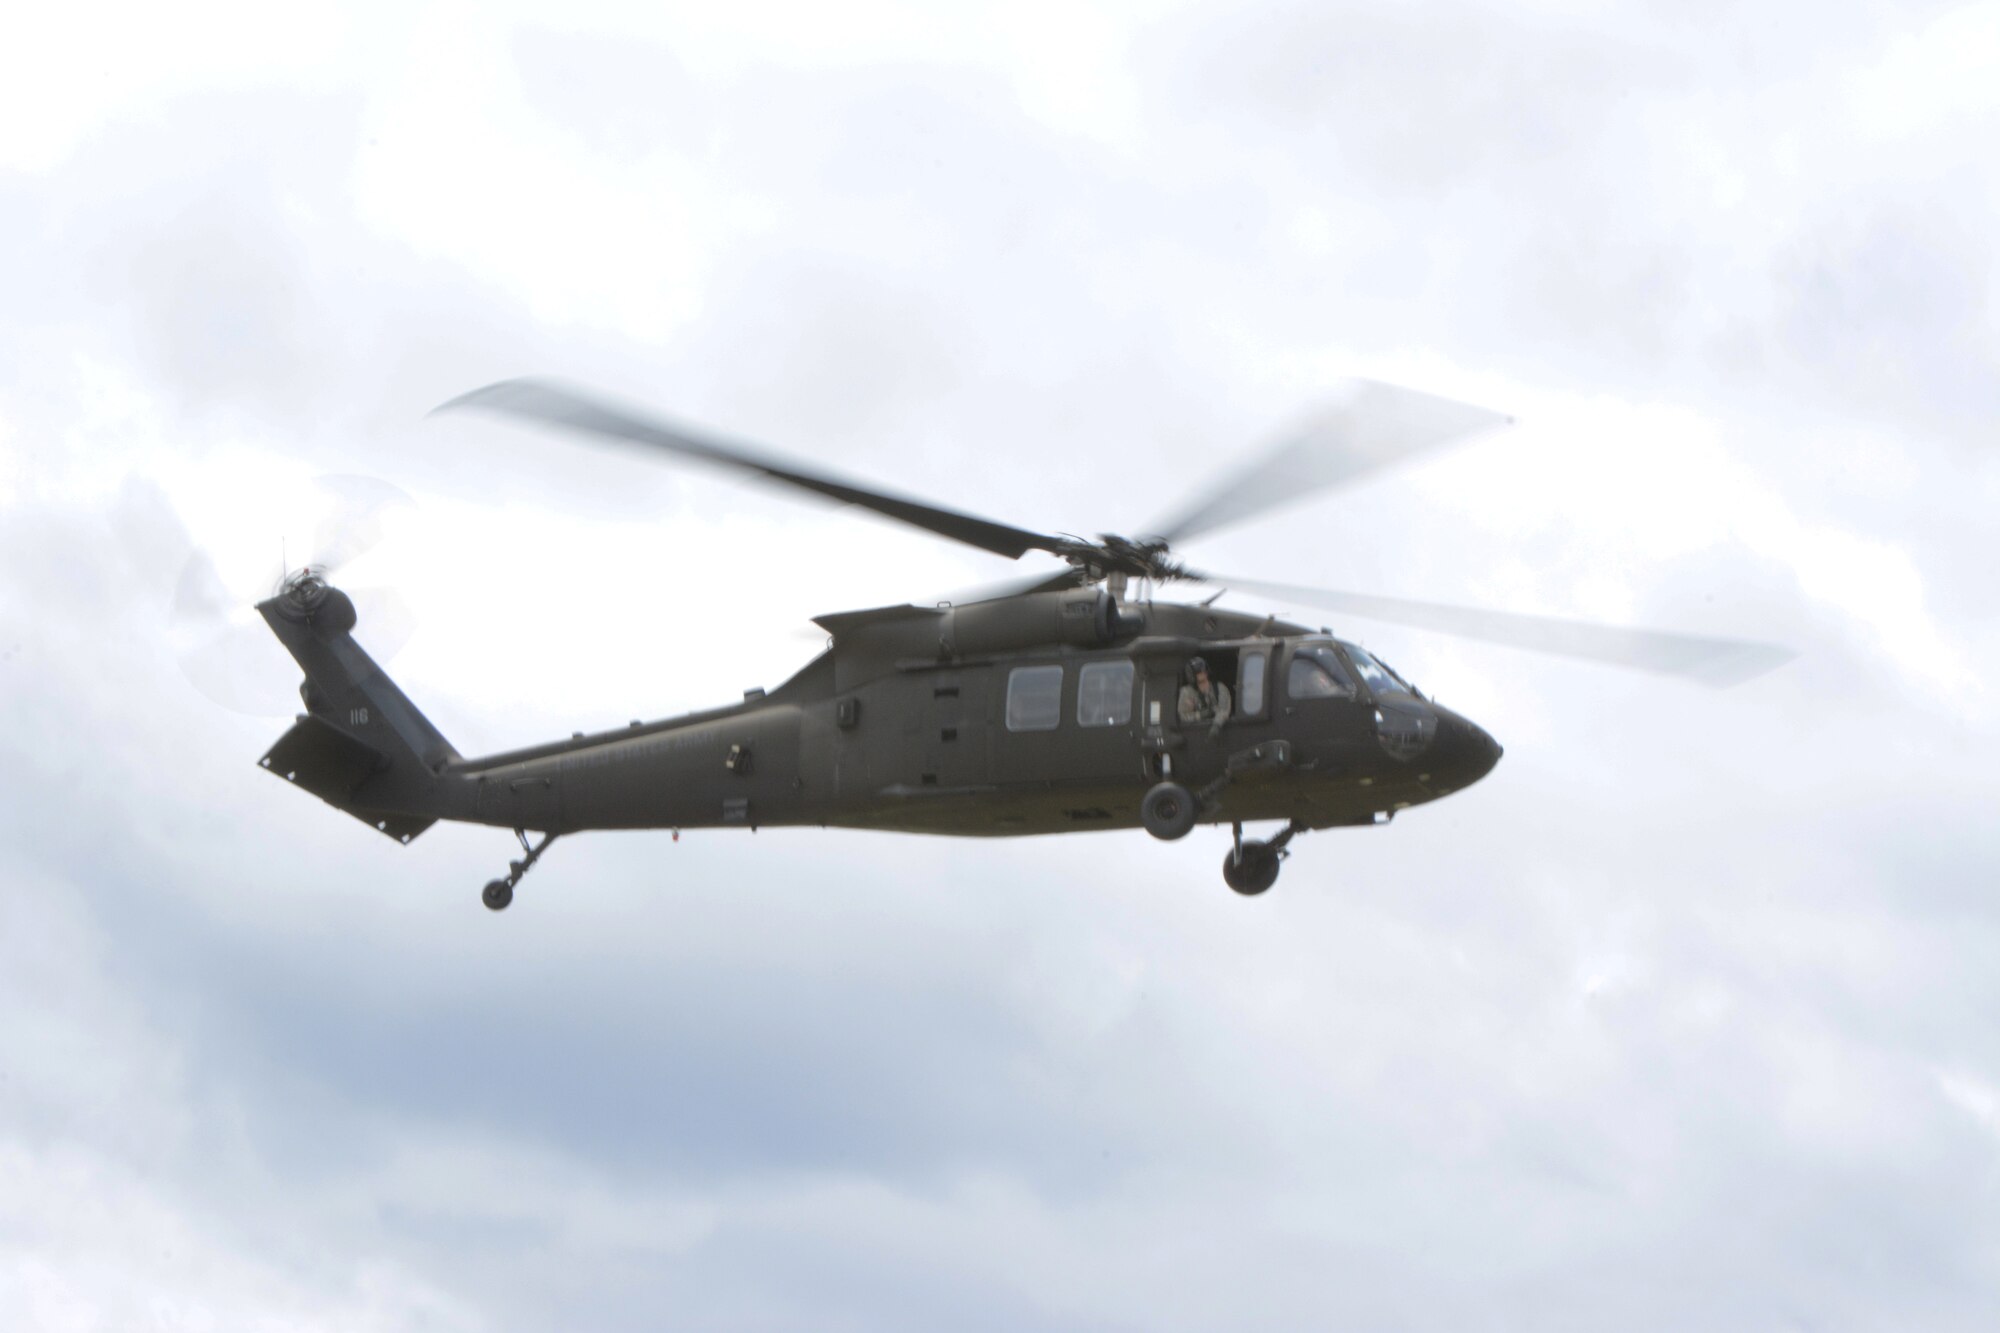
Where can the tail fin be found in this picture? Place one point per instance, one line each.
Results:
(361, 745)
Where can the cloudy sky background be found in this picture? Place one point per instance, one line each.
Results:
(1681, 1018)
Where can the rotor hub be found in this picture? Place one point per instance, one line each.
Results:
(1112, 554)
(304, 588)
(305, 595)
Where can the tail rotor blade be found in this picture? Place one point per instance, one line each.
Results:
(223, 647)
(354, 517)
(384, 624)
(201, 599)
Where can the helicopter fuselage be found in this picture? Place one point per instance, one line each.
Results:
(1047, 713)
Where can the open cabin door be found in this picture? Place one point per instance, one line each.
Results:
(1244, 666)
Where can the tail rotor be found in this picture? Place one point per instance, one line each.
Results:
(223, 646)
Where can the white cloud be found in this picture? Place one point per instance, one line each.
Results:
(1972, 1095)
(66, 75)
(110, 1249)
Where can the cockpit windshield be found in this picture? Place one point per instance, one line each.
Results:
(1316, 673)
(1380, 678)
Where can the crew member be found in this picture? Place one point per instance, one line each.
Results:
(1203, 700)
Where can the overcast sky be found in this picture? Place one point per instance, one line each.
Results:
(1682, 1018)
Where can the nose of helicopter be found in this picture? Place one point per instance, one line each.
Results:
(1464, 753)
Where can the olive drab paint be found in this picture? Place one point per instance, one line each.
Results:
(903, 724)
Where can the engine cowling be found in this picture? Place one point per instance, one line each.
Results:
(1083, 618)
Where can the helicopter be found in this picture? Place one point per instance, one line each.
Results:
(1071, 700)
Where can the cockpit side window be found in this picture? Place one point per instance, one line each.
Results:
(1316, 673)
(1250, 682)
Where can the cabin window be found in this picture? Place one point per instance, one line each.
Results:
(1034, 698)
(1316, 673)
(1250, 684)
(1104, 694)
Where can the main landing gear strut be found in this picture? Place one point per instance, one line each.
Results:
(1169, 812)
(1252, 867)
(500, 892)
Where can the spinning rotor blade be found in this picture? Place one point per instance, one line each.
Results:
(223, 647)
(1713, 662)
(572, 409)
(992, 592)
(383, 620)
(1367, 428)
(353, 518)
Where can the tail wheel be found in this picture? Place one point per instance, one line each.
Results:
(497, 894)
(1168, 811)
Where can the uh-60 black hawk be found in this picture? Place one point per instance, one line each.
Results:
(1062, 703)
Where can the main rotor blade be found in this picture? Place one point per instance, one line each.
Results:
(573, 409)
(1057, 581)
(1367, 428)
(1713, 662)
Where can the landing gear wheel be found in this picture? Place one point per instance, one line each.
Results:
(1168, 811)
(500, 892)
(1252, 870)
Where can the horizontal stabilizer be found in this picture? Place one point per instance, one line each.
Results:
(331, 764)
